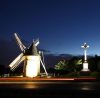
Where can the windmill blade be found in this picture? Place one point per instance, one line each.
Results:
(36, 42)
(13, 65)
(22, 47)
(18, 63)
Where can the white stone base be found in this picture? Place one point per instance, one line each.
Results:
(85, 67)
(32, 64)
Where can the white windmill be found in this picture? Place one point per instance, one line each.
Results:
(31, 58)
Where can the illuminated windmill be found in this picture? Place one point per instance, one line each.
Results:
(85, 64)
(31, 58)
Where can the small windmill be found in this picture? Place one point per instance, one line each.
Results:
(31, 57)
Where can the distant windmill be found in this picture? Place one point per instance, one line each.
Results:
(31, 58)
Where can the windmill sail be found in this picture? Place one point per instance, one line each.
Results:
(36, 42)
(16, 62)
(22, 47)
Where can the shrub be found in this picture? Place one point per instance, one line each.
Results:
(73, 74)
(95, 75)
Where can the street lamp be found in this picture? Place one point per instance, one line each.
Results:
(85, 64)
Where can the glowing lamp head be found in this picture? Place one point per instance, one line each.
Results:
(85, 46)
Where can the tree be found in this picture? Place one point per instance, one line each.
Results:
(78, 64)
(74, 64)
(61, 65)
(98, 66)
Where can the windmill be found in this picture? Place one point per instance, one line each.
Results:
(31, 57)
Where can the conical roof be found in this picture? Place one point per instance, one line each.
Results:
(32, 50)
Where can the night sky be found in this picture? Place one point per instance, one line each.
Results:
(61, 25)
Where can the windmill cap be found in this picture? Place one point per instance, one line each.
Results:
(32, 50)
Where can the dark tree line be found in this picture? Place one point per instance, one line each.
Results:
(75, 64)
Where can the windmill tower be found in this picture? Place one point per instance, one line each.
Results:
(31, 57)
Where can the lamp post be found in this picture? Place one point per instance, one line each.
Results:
(85, 64)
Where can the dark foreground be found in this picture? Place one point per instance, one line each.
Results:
(50, 89)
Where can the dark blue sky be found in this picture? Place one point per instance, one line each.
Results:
(61, 25)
